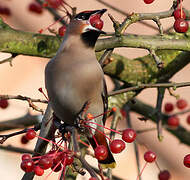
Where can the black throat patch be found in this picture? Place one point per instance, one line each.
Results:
(90, 38)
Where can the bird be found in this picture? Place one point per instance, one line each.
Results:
(75, 82)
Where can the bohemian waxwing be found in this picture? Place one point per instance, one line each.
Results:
(75, 81)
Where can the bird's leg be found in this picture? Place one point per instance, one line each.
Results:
(85, 164)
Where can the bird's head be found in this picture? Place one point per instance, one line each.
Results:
(88, 25)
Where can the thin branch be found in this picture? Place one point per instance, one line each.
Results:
(142, 86)
(146, 110)
(160, 97)
(21, 122)
(23, 98)
(124, 13)
(4, 137)
(16, 149)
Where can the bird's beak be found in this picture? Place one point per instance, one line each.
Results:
(96, 14)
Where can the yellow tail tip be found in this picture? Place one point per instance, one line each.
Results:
(111, 165)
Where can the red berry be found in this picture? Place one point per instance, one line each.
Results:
(168, 107)
(148, 1)
(62, 30)
(26, 157)
(38, 171)
(173, 121)
(92, 178)
(181, 104)
(27, 165)
(96, 22)
(149, 156)
(164, 175)
(35, 7)
(181, 26)
(69, 160)
(4, 103)
(188, 119)
(5, 11)
(129, 135)
(101, 152)
(55, 3)
(186, 161)
(24, 140)
(179, 14)
(117, 145)
(123, 113)
(30, 134)
(45, 162)
(56, 168)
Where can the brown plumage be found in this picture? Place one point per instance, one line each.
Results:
(74, 78)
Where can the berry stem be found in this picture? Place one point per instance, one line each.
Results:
(141, 171)
(50, 141)
(157, 165)
(103, 127)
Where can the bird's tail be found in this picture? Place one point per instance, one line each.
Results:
(109, 162)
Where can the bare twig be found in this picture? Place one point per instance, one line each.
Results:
(158, 61)
(7, 136)
(160, 98)
(23, 98)
(16, 149)
(142, 86)
(21, 122)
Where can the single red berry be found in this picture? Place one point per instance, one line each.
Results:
(164, 175)
(117, 146)
(4, 103)
(30, 134)
(38, 171)
(56, 168)
(186, 161)
(181, 26)
(5, 11)
(96, 22)
(69, 160)
(179, 14)
(148, 1)
(123, 113)
(45, 162)
(129, 135)
(188, 119)
(173, 121)
(35, 7)
(26, 157)
(55, 3)
(27, 165)
(181, 103)
(168, 107)
(24, 140)
(92, 178)
(149, 156)
(101, 152)
(62, 30)
(40, 89)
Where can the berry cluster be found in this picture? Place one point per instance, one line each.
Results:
(116, 145)
(173, 120)
(56, 159)
(180, 24)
